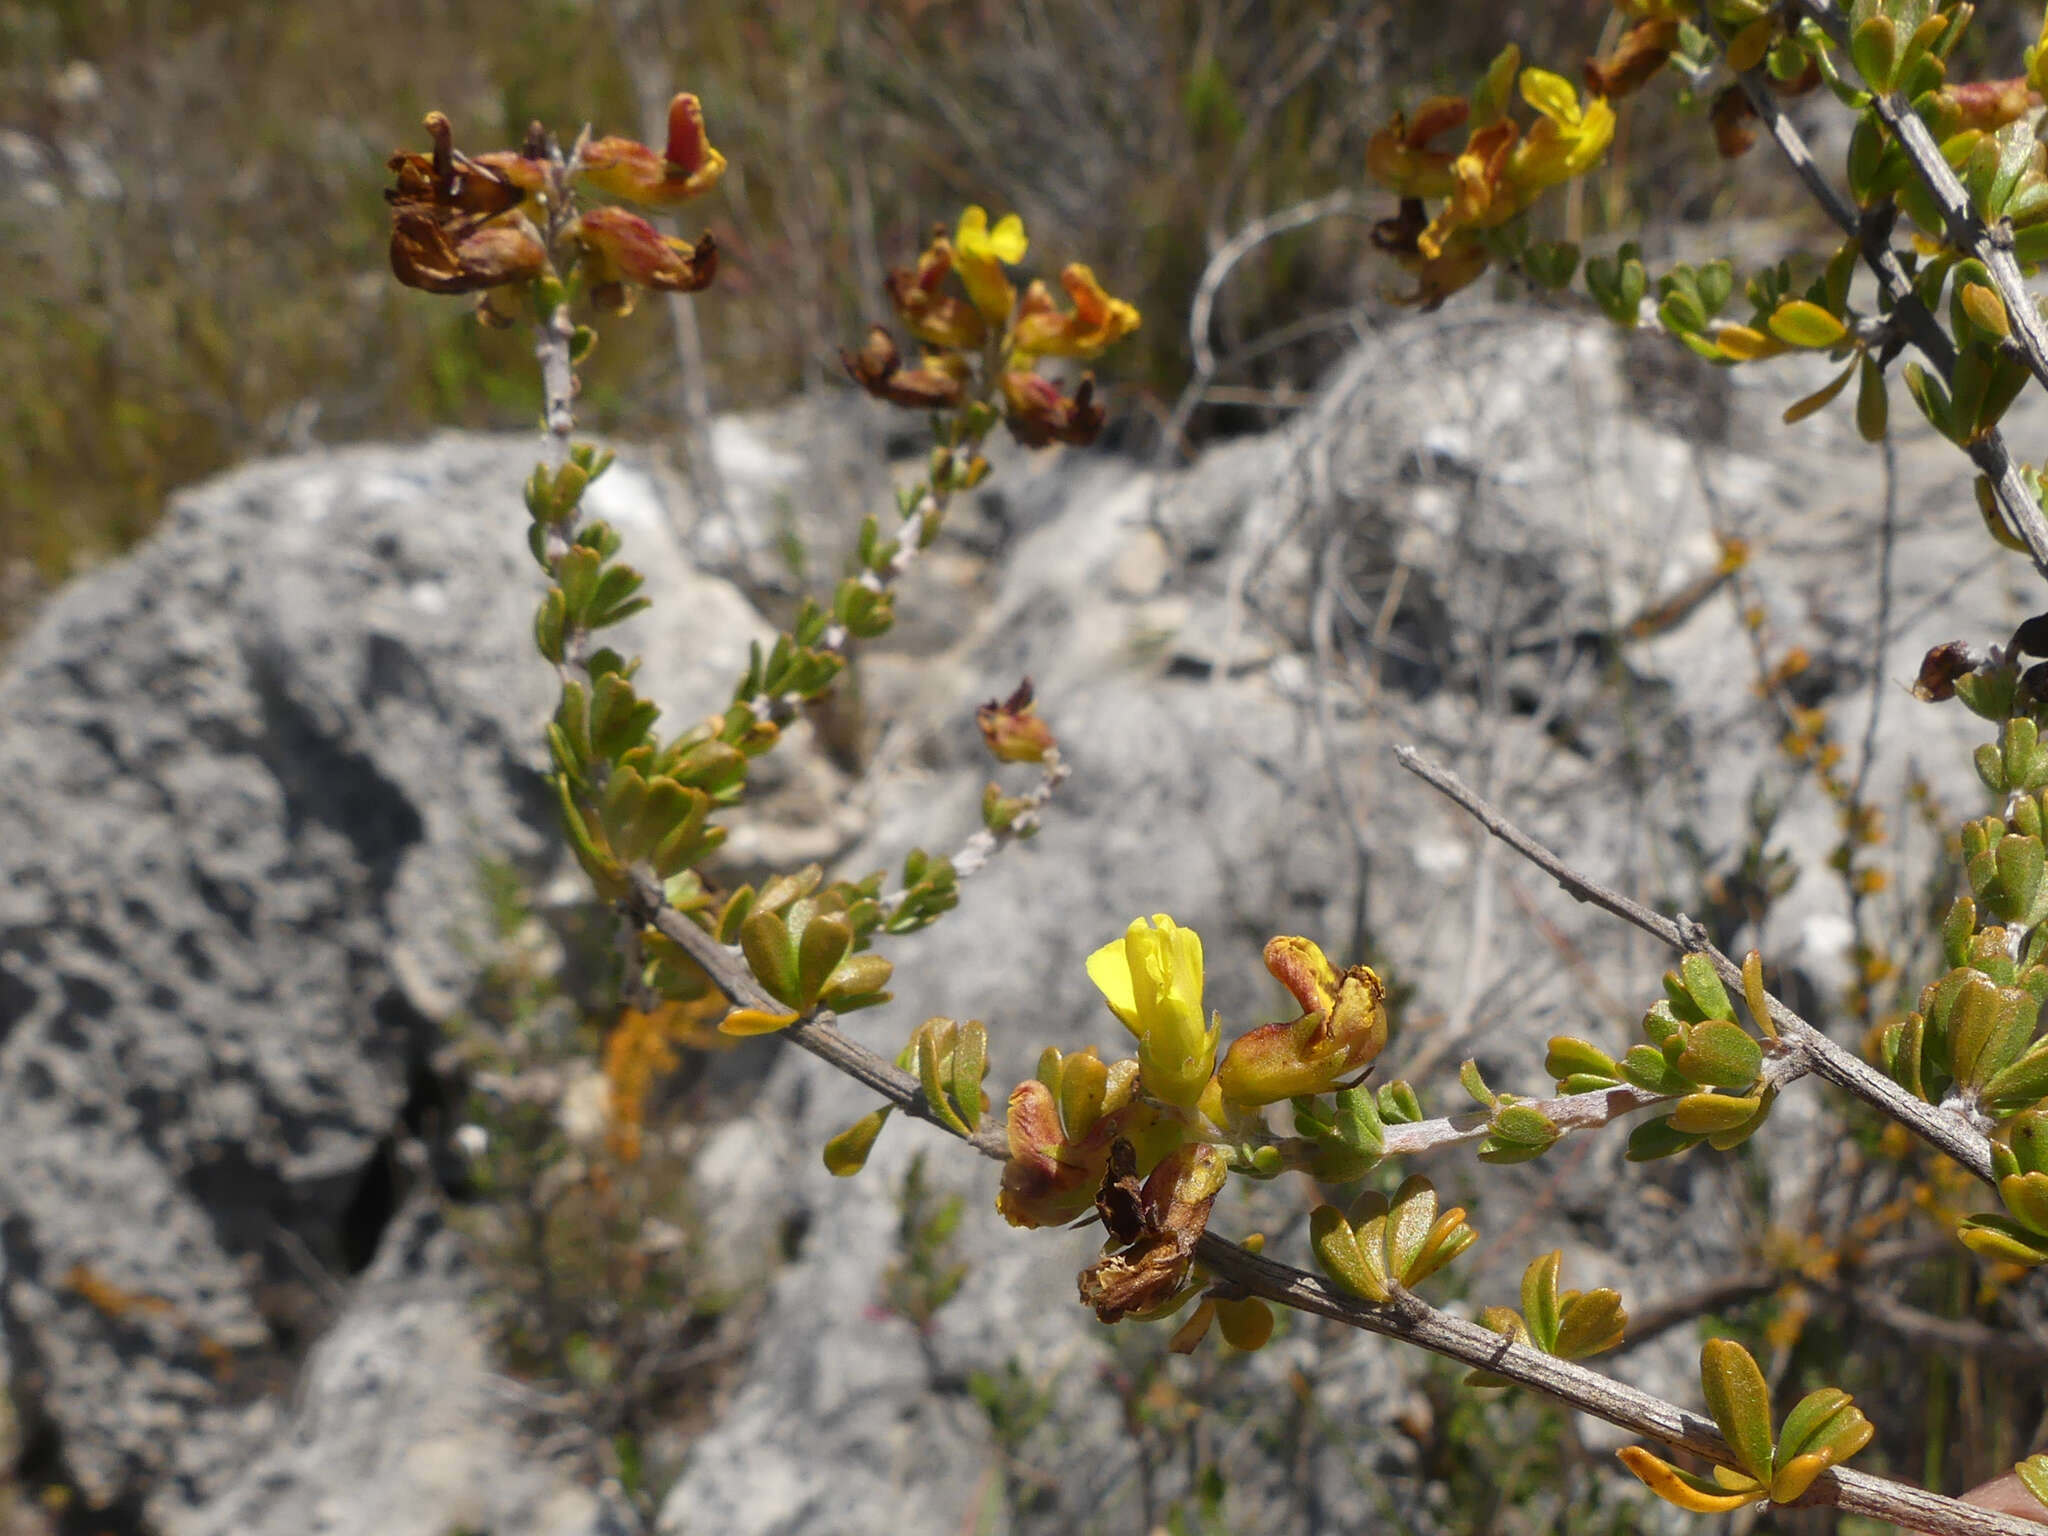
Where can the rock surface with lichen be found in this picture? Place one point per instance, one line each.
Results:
(247, 774)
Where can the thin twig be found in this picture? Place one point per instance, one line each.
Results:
(1939, 1127)
(1408, 1319)
(819, 1034)
(1572, 1112)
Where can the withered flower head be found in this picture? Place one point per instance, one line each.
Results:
(878, 368)
(440, 257)
(1012, 728)
(1644, 49)
(1733, 115)
(622, 249)
(450, 183)
(1039, 414)
(1940, 670)
(455, 221)
(933, 315)
(1158, 1225)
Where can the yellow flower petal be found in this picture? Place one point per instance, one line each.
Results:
(1110, 970)
(1006, 241)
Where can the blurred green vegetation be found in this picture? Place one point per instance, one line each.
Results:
(196, 235)
(196, 238)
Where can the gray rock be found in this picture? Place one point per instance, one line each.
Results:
(247, 777)
(399, 1426)
(1502, 494)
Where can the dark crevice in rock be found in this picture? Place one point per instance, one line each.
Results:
(378, 1194)
(329, 784)
(18, 995)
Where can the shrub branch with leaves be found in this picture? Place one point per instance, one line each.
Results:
(1144, 1145)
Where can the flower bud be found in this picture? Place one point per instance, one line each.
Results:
(1013, 730)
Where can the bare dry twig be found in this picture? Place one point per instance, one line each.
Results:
(1940, 1128)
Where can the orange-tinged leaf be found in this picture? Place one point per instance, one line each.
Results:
(1986, 310)
(1796, 1477)
(1681, 1488)
(1799, 410)
(1742, 344)
(754, 1021)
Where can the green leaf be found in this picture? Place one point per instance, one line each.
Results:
(1525, 1125)
(1659, 1138)
(1866, 154)
(1798, 323)
(1720, 1055)
(858, 983)
(847, 1153)
(2003, 1239)
(931, 1075)
(1357, 1124)
(1472, 1082)
(2028, 1136)
(550, 625)
(1649, 1069)
(1398, 1104)
(2033, 1472)
(1874, 47)
(764, 940)
(1704, 1114)
(1590, 1324)
(970, 1066)
(1740, 1401)
(1800, 409)
(827, 939)
(2026, 1197)
(1931, 396)
(1716, 284)
(1550, 264)
(1704, 983)
(1341, 1256)
(1539, 1300)
(1680, 313)
(1409, 1220)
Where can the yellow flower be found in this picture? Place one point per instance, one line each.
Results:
(1096, 321)
(1343, 1026)
(1567, 142)
(1152, 980)
(979, 254)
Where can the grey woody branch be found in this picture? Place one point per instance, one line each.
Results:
(819, 1033)
(1940, 1128)
(1409, 1319)
(1990, 245)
